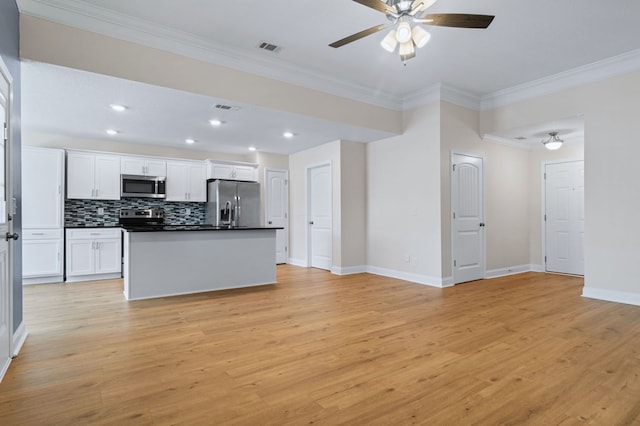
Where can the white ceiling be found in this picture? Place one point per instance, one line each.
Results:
(528, 40)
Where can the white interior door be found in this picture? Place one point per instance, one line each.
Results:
(564, 213)
(5, 226)
(467, 205)
(320, 220)
(276, 209)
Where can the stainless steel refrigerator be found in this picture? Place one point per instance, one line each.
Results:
(233, 203)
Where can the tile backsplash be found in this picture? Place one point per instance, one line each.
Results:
(85, 212)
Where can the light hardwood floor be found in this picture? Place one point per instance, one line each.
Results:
(323, 349)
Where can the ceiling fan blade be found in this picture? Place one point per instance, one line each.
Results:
(377, 5)
(358, 36)
(459, 20)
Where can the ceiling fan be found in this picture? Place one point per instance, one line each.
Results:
(404, 12)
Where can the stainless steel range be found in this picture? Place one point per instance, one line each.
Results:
(142, 217)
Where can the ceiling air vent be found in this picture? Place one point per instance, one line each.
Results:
(224, 107)
(269, 47)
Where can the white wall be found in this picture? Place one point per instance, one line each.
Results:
(403, 194)
(612, 195)
(573, 150)
(50, 140)
(348, 177)
(353, 159)
(45, 41)
(298, 165)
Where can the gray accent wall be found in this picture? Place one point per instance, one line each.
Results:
(10, 52)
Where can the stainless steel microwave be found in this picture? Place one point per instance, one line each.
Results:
(143, 186)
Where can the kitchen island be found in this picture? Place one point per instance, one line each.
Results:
(182, 259)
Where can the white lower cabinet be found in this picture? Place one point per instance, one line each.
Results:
(42, 256)
(93, 254)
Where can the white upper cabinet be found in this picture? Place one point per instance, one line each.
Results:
(93, 176)
(232, 171)
(42, 186)
(186, 181)
(143, 166)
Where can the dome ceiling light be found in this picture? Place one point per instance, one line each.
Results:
(553, 142)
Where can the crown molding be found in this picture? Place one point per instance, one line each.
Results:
(597, 71)
(78, 14)
(426, 96)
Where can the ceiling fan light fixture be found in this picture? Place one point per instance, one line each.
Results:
(420, 36)
(553, 142)
(403, 32)
(389, 42)
(407, 49)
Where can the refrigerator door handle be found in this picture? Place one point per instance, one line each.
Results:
(238, 211)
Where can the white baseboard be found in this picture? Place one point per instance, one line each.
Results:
(512, 270)
(408, 276)
(611, 295)
(19, 337)
(297, 262)
(96, 277)
(4, 367)
(57, 279)
(348, 270)
(419, 278)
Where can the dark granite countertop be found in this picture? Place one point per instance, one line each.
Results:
(172, 228)
(91, 226)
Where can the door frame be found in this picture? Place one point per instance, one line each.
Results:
(4, 70)
(543, 204)
(484, 212)
(266, 209)
(307, 226)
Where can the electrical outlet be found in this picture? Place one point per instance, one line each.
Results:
(187, 211)
(100, 211)
(407, 258)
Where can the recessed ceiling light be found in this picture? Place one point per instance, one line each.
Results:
(190, 141)
(112, 132)
(252, 148)
(215, 122)
(287, 135)
(118, 108)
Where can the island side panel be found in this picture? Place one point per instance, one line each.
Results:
(171, 263)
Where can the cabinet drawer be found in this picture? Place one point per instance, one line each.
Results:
(41, 234)
(93, 233)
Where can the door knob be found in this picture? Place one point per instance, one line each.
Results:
(270, 222)
(311, 223)
(13, 236)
